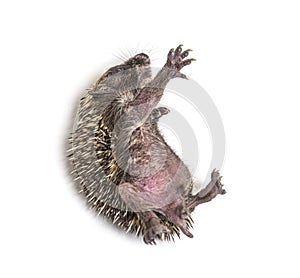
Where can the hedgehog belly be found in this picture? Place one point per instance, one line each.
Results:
(97, 174)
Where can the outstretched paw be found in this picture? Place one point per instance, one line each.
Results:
(176, 60)
(154, 229)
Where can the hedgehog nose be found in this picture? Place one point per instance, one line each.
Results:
(143, 55)
(144, 58)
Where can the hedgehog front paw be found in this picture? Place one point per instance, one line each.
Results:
(154, 229)
(176, 62)
(157, 113)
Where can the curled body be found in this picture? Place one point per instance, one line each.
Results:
(121, 162)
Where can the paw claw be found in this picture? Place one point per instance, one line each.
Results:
(179, 48)
(154, 230)
(185, 53)
(164, 110)
(176, 60)
(216, 178)
(181, 75)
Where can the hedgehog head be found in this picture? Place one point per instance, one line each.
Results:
(131, 75)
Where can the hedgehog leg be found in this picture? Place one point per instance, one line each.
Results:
(143, 203)
(196, 200)
(214, 188)
(151, 94)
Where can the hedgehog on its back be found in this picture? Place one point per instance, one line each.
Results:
(121, 162)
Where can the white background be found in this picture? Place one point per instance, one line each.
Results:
(248, 57)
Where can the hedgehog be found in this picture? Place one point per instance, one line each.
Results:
(120, 161)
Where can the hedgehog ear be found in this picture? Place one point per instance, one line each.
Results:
(97, 91)
(100, 90)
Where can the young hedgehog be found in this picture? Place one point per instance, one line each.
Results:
(121, 162)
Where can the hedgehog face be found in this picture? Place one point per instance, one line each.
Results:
(137, 61)
(131, 75)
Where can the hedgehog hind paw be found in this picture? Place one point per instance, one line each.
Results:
(155, 232)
